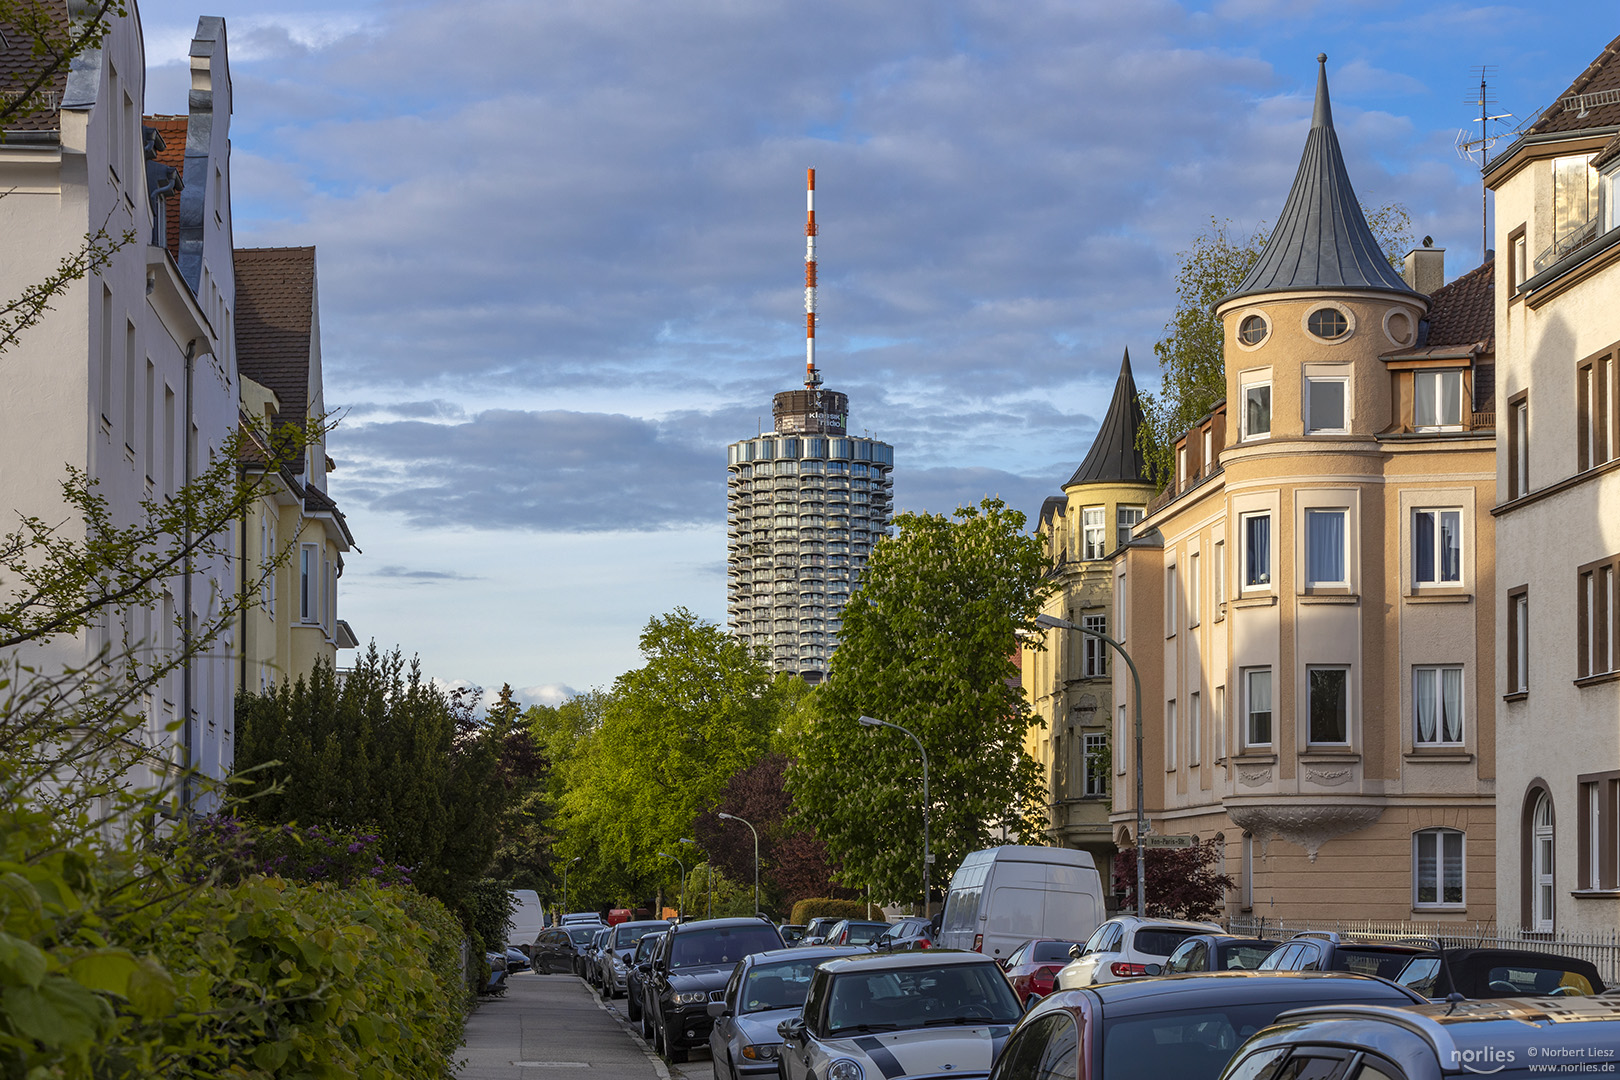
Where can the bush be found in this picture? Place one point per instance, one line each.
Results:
(817, 906)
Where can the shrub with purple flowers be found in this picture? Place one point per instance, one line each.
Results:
(228, 849)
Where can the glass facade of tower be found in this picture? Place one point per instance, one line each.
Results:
(805, 504)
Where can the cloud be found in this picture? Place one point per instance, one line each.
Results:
(416, 577)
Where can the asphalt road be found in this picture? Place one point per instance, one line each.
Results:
(555, 1027)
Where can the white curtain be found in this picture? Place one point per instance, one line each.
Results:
(1325, 537)
(1423, 403)
(1423, 704)
(1451, 704)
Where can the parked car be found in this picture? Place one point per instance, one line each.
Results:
(1033, 967)
(634, 977)
(1509, 1038)
(1183, 1027)
(516, 960)
(1324, 950)
(764, 990)
(591, 959)
(692, 963)
(1001, 897)
(580, 917)
(496, 982)
(618, 950)
(911, 932)
(792, 933)
(1217, 952)
(1128, 947)
(856, 932)
(815, 933)
(559, 948)
(1495, 973)
(893, 1015)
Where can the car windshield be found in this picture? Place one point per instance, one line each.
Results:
(1159, 941)
(721, 945)
(1370, 961)
(581, 935)
(863, 933)
(1047, 951)
(781, 984)
(913, 997)
(626, 936)
(1244, 957)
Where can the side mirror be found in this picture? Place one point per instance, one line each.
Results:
(791, 1030)
(1155, 969)
(716, 1009)
(1031, 1003)
(1074, 952)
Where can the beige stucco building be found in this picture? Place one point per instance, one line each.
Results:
(1066, 675)
(1557, 507)
(1311, 601)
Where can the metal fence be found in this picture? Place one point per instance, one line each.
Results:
(1600, 948)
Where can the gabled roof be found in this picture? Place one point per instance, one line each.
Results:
(1321, 240)
(173, 154)
(1114, 458)
(1464, 312)
(1599, 110)
(275, 308)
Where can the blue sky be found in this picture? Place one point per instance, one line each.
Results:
(560, 250)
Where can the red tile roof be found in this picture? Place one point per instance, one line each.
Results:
(275, 305)
(1600, 75)
(1464, 312)
(173, 130)
(19, 67)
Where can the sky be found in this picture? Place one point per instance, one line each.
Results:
(560, 250)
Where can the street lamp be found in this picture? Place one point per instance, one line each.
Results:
(1141, 811)
(870, 721)
(680, 905)
(566, 865)
(709, 876)
(734, 817)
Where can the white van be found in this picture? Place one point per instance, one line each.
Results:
(528, 919)
(1001, 897)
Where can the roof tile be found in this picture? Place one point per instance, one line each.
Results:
(173, 154)
(1464, 312)
(1602, 74)
(275, 305)
(19, 67)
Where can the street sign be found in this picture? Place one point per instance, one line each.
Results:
(1151, 841)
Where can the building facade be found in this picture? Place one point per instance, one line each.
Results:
(1557, 507)
(1311, 601)
(1066, 676)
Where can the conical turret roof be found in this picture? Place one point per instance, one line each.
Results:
(1321, 240)
(1114, 458)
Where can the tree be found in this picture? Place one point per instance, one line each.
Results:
(1182, 883)
(1192, 352)
(927, 643)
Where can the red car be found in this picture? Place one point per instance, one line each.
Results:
(1034, 965)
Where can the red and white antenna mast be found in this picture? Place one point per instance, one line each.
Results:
(812, 377)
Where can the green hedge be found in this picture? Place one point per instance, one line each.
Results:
(817, 906)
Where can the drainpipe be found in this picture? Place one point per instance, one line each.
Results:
(242, 645)
(189, 741)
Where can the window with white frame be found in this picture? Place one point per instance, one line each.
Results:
(1257, 706)
(1519, 447)
(1126, 518)
(1257, 410)
(1246, 874)
(1217, 719)
(1094, 651)
(1592, 856)
(1209, 451)
(1328, 688)
(1170, 734)
(309, 580)
(1121, 626)
(1172, 600)
(1121, 732)
(1327, 406)
(1194, 595)
(1437, 868)
(1256, 551)
(1437, 400)
(1437, 704)
(1596, 622)
(1181, 466)
(1096, 765)
(1219, 569)
(1541, 864)
(264, 562)
(1094, 532)
(1324, 547)
(1436, 547)
(1195, 729)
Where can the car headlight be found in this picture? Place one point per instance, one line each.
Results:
(691, 997)
(844, 1069)
(763, 1051)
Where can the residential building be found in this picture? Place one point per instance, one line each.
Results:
(1311, 601)
(1557, 511)
(1066, 676)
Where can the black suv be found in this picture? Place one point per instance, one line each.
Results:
(689, 968)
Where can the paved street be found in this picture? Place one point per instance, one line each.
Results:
(555, 1026)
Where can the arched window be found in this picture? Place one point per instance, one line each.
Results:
(1541, 863)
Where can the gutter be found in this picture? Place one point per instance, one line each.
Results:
(1585, 253)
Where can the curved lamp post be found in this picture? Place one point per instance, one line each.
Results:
(928, 858)
(680, 905)
(566, 865)
(734, 817)
(1141, 811)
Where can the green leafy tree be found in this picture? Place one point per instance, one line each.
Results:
(928, 643)
(1191, 354)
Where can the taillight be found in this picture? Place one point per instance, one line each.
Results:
(922, 943)
(843, 938)
(978, 943)
(1123, 970)
(1043, 980)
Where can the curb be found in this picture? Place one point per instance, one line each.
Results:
(657, 1062)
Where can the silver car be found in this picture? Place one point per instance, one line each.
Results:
(765, 989)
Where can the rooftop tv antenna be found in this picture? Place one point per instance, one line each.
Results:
(812, 377)
(1469, 143)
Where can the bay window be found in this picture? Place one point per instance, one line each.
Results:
(1257, 551)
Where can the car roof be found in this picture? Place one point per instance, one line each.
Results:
(660, 923)
(1153, 995)
(810, 952)
(1167, 924)
(1460, 1031)
(707, 924)
(891, 961)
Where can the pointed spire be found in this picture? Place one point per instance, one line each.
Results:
(1114, 458)
(1321, 240)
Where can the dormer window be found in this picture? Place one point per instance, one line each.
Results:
(1328, 323)
(1437, 400)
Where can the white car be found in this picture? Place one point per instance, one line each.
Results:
(889, 1016)
(1127, 947)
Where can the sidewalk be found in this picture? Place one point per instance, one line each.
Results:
(551, 1027)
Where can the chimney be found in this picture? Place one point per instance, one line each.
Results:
(1425, 267)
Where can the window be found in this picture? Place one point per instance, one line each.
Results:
(1437, 697)
(106, 355)
(1575, 205)
(1541, 863)
(1518, 632)
(1194, 596)
(1127, 517)
(1252, 330)
(1519, 263)
(169, 438)
(1437, 868)
(1328, 323)
(1592, 826)
(1047, 1048)
(1121, 729)
(1195, 729)
(1209, 451)
(1595, 618)
(308, 582)
(1436, 547)
(1257, 707)
(1600, 816)
(1437, 400)
(1257, 410)
(1170, 734)
(1324, 541)
(149, 421)
(1219, 568)
(1094, 651)
(1594, 413)
(264, 560)
(1097, 757)
(131, 392)
(1217, 720)
(1094, 531)
(1257, 551)
(1329, 689)
(1325, 405)
(1181, 466)
(1519, 447)
(1172, 601)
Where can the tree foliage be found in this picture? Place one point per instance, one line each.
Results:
(1191, 354)
(1182, 883)
(927, 643)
